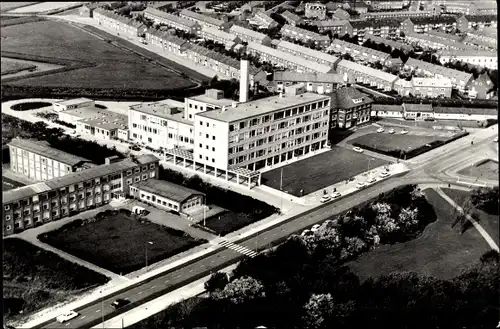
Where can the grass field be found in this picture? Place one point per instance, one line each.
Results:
(440, 251)
(487, 169)
(319, 171)
(9, 67)
(228, 222)
(42, 7)
(118, 241)
(9, 184)
(387, 142)
(9, 5)
(488, 221)
(114, 67)
(34, 278)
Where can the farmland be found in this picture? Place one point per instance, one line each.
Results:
(110, 66)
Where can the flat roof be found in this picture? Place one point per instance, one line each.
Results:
(74, 178)
(86, 112)
(166, 109)
(118, 121)
(74, 101)
(417, 107)
(368, 70)
(166, 189)
(465, 110)
(44, 149)
(218, 102)
(309, 52)
(261, 106)
(468, 53)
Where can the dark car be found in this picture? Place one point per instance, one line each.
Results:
(134, 147)
(120, 303)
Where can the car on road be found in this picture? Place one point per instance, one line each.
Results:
(66, 316)
(391, 131)
(384, 174)
(357, 149)
(306, 232)
(315, 227)
(120, 302)
(371, 180)
(404, 132)
(380, 130)
(134, 147)
(324, 198)
(496, 139)
(335, 195)
(360, 185)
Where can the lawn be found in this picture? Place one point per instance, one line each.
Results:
(9, 5)
(387, 142)
(34, 278)
(117, 241)
(10, 66)
(487, 169)
(488, 221)
(440, 251)
(9, 184)
(321, 170)
(112, 67)
(228, 222)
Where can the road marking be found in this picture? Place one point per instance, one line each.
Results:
(166, 281)
(190, 271)
(202, 266)
(83, 317)
(140, 293)
(67, 324)
(152, 287)
(98, 311)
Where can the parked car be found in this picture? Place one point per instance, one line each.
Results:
(306, 232)
(404, 132)
(336, 195)
(120, 302)
(134, 147)
(371, 180)
(380, 130)
(315, 227)
(384, 174)
(358, 149)
(360, 185)
(496, 139)
(66, 316)
(392, 131)
(324, 198)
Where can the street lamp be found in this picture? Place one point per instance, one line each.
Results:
(151, 243)
(369, 160)
(204, 211)
(102, 308)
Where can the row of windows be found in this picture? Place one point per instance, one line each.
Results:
(37, 157)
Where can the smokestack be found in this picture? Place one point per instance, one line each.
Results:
(244, 81)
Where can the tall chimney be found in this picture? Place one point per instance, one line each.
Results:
(244, 81)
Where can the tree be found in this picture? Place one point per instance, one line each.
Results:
(318, 310)
(241, 290)
(408, 219)
(486, 199)
(328, 239)
(353, 246)
(217, 281)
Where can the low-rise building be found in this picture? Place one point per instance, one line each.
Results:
(463, 113)
(72, 104)
(103, 127)
(425, 24)
(339, 27)
(168, 196)
(431, 87)
(364, 74)
(418, 112)
(121, 24)
(252, 6)
(263, 20)
(321, 83)
(445, 36)
(87, 10)
(308, 53)
(292, 18)
(403, 87)
(428, 41)
(59, 197)
(176, 22)
(482, 58)
(387, 111)
(350, 108)
(248, 35)
(394, 44)
(166, 41)
(385, 4)
(303, 35)
(399, 14)
(39, 161)
(378, 27)
(286, 60)
(315, 10)
(73, 115)
(359, 52)
(219, 36)
(475, 42)
(467, 22)
(341, 14)
(203, 20)
(487, 37)
(469, 7)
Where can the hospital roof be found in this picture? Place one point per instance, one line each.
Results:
(260, 107)
(75, 178)
(309, 52)
(116, 121)
(44, 149)
(206, 99)
(289, 57)
(368, 70)
(166, 189)
(73, 101)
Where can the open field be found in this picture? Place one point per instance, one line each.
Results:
(10, 5)
(9, 184)
(12, 66)
(111, 67)
(34, 278)
(388, 142)
(488, 221)
(486, 169)
(440, 251)
(118, 241)
(42, 7)
(321, 170)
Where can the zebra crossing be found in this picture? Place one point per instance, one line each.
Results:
(240, 249)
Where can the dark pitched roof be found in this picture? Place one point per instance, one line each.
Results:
(433, 20)
(342, 98)
(391, 22)
(166, 189)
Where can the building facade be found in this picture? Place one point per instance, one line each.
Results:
(166, 41)
(202, 20)
(350, 108)
(312, 82)
(364, 74)
(308, 53)
(359, 52)
(303, 35)
(481, 58)
(248, 35)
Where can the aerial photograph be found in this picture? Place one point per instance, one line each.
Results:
(250, 164)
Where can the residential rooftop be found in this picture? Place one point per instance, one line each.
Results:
(169, 17)
(368, 70)
(260, 107)
(44, 149)
(355, 47)
(439, 70)
(465, 110)
(236, 29)
(468, 53)
(164, 35)
(166, 189)
(297, 31)
(348, 97)
(417, 107)
(392, 43)
(309, 52)
(308, 77)
(432, 38)
(202, 18)
(164, 109)
(218, 33)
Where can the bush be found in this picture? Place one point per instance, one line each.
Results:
(490, 256)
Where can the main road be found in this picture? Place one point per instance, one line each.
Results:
(428, 172)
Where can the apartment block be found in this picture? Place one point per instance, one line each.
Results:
(378, 27)
(403, 87)
(339, 27)
(291, 18)
(350, 108)
(59, 197)
(286, 60)
(166, 41)
(121, 24)
(263, 132)
(399, 14)
(219, 36)
(202, 20)
(426, 40)
(364, 74)
(468, 22)
(305, 35)
(359, 52)
(321, 83)
(482, 58)
(263, 20)
(308, 53)
(248, 35)
(39, 161)
(426, 24)
(176, 22)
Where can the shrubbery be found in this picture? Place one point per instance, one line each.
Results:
(486, 199)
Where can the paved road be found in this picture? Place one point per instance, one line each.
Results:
(95, 312)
